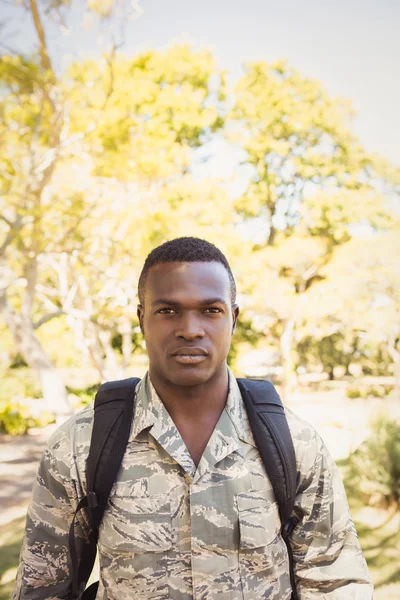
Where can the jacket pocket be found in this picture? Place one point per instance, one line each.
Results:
(137, 524)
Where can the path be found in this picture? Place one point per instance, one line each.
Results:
(20, 456)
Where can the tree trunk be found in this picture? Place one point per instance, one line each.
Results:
(95, 350)
(286, 346)
(52, 386)
(113, 369)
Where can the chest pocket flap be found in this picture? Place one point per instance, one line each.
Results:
(137, 524)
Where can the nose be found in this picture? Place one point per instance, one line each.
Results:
(189, 328)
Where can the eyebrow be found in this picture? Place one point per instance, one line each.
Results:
(205, 302)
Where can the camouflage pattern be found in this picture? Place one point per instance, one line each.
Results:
(174, 531)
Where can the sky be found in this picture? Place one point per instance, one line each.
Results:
(353, 48)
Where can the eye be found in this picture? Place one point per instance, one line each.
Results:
(166, 311)
(214, 310)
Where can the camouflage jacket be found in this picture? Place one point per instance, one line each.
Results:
(174, 531)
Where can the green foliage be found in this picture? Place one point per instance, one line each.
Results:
(374, 468)
(293, 133)
(18, 362)
(18, 394)
(329, 351)
(381, 547)
(10, 545)
(136, 340)
(84, 395)
(365, 391)
(16, 419)
(18, 384)
(244, 333)
(353, 392)
(147, 113)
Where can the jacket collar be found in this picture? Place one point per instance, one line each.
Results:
(151, 413)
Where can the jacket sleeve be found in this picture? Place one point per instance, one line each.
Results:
(45, 566)
(329, 563)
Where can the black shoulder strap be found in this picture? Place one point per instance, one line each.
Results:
(274, 441)
(113, 415)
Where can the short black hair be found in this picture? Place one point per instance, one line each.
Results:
(184, 249)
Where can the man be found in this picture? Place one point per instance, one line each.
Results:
(192, 513)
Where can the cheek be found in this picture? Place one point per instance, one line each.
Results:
(222, 336)
(156, 335)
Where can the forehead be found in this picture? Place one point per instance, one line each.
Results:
(181, 280)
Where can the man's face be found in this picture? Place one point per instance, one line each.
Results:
(187, 320)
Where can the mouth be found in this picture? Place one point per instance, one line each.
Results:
(189, 359)
(189, 356)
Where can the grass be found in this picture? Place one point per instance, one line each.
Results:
(379, 538)
(10, 545)
(381, 548)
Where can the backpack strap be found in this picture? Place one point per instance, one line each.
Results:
(113, 415)
(274, 442)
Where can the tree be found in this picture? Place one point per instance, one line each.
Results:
(160, 109)
(363, 287)
(68, 139)
(35, 139)
(340, 348)
(163, 106)
(31, 127)
(309, 177)
(296, 139)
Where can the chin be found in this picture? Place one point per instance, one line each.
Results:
(190, 378)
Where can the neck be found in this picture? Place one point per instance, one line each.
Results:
(193, 402)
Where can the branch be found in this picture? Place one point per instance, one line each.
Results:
(44, 55)
(46, 291)
(14, 230)
(310, 272)
(9, 223)
(110, 65)
(47, 318)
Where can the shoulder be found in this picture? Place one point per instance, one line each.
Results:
(67, 449)
(302, 431)
(308, 445)
(76, 430)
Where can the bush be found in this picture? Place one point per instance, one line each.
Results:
(17, 418)
(14, 421)
(353, 393)
(83, 396)
(20, 383)
(365, 391)
(374, 468)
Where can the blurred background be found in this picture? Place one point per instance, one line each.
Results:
(270, 129)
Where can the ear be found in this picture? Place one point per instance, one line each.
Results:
(235, 314)
(140, 314)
